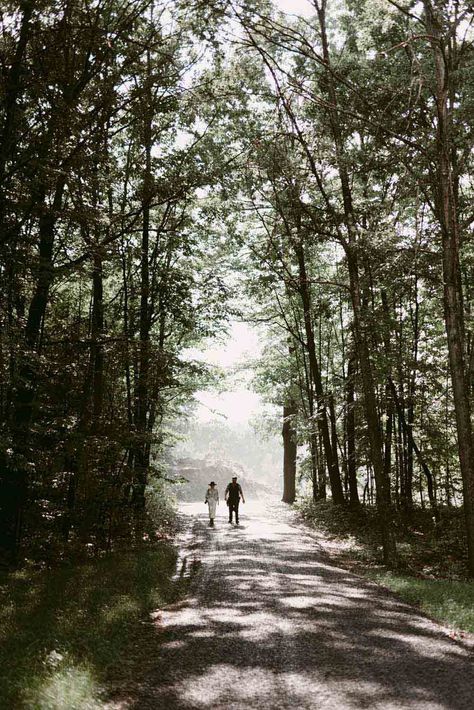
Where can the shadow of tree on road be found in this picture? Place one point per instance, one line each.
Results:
(273, 624)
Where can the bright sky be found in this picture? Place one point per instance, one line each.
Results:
(239, 404)
(236, 407)
(296, 7)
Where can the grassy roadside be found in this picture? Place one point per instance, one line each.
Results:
(432, 559)
(70, 637)
(449, 602)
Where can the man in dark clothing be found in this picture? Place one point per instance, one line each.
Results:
(233, 494)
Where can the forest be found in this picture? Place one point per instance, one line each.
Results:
(168, 167)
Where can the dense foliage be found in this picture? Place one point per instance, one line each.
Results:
(144, 147)
(357, 248)
(106, 261)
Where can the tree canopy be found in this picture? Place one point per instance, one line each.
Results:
(165, 167)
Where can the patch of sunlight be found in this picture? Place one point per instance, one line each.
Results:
(7, 610)
(124, 606)
(67, 686)
(183, 617)
(217, 686)
(173, 644)
(23, 573)
(300, 602)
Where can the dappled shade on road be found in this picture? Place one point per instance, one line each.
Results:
(271, 623)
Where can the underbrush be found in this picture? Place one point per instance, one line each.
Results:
(69, 636)
(432, 556)
(99, 527)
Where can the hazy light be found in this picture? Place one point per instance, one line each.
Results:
(236, 407)
(243, 343)
(296, 7)
(239, 404)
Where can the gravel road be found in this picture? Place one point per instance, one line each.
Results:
(271, 624)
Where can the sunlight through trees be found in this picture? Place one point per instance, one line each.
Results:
(166, 168)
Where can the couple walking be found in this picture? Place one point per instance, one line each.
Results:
(233, 494)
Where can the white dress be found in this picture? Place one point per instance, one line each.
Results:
(212, 499)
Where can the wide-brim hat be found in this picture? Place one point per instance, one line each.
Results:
(212, 483)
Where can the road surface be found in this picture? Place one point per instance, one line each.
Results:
(271, 624)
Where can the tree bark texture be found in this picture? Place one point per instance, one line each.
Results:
(289, 453)
(354, 501)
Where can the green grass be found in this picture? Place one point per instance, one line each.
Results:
(451, 603)
(71, 636)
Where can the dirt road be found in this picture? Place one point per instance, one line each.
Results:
(270, 624)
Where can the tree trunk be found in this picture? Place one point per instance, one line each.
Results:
(141, 458)
(97, 347)
(411, 441)
(333, 424)
(354, 500)
(313, 444)
(289, 453)
(323, 424)
(14, 482)
(408, 467)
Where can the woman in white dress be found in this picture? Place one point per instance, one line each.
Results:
(212, 499)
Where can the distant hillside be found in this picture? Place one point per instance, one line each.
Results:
(198, 473)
